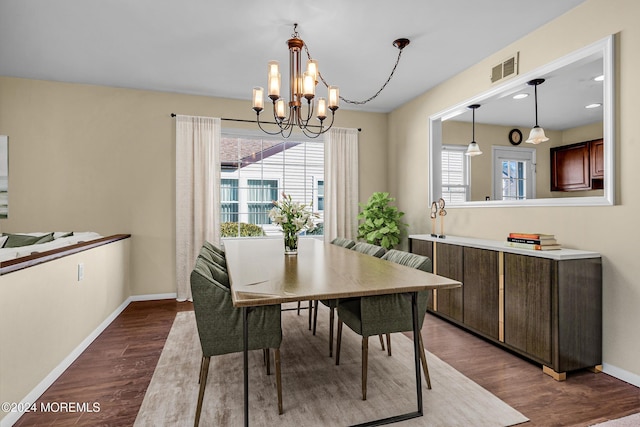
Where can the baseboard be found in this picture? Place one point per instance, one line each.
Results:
(151, 297)
(47, 381)
(38, 390)
(621, 374)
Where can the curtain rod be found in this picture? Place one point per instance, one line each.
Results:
(255, 121)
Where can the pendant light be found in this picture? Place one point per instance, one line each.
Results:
(473, 149)
(536, 136)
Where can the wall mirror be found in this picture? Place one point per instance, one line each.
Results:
(512, 172)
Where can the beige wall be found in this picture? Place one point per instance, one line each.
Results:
(608, 230)
(102, 159)
(46, 313)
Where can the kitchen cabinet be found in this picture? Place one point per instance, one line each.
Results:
(578, 166)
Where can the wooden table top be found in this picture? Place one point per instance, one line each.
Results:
(261, 274)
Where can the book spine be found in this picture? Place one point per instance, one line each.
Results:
(523, 245)
(528, 236)
(531, 241)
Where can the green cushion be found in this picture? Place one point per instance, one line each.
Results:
(213, 248)
(410, 260)
(204, 269)
(17, 240)
(369, 249)
(217, 272)
(345, 243)
(213, 257)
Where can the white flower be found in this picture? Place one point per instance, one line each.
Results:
(292, 216)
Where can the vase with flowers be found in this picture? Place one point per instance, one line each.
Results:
(292, 217)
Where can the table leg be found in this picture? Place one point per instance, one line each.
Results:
(416, 349)
(245, 338)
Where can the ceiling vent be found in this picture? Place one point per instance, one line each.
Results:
(505, 69)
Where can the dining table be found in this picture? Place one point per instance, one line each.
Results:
(260, 273)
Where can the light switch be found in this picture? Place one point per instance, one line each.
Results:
(80, 271)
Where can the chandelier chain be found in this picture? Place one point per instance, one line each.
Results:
(371, 98)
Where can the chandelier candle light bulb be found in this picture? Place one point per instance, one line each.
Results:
(309, 86)
(334, 97)
(312, 68)
(273, 78)
(280, 110)
(322, 108)
(258, 98)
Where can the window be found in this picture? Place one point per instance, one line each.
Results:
(514, 173)
(261, 194)
(256, 169)
(228, 200)
(455, 174)
(320, 203)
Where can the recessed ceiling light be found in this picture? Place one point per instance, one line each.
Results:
(593, 106)
(520, 96)
(599, 78)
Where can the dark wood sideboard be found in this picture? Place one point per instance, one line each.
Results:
(543, 305)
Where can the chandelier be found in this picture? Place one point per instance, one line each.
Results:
(302, 105)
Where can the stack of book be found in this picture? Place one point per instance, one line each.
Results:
(534, 241)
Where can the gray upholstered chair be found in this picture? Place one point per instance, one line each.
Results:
(362, 247)
(331, 303)
(376, 251)
(384, 314)
(213, 257)
(345, 243)
(210, 246)
(220, 325)
(369, 249)
(214, 253)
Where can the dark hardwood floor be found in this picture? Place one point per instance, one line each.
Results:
(116, 369)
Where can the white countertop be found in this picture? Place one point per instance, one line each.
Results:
(498, 245)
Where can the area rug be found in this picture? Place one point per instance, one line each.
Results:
(628, 421)
(315, 391)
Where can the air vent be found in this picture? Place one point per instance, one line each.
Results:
(505, 69)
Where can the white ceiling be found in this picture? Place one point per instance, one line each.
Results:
(210, 47)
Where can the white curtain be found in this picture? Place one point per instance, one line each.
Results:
(341, 184)
(197, 193)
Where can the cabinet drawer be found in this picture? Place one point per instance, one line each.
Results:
(528, 283)
(449, 259)
(481, 291)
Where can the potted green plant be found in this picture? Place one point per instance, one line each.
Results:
(381, 223)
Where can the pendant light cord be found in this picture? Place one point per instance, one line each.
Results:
(535, 91)
(473, 125)
(371, 98)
